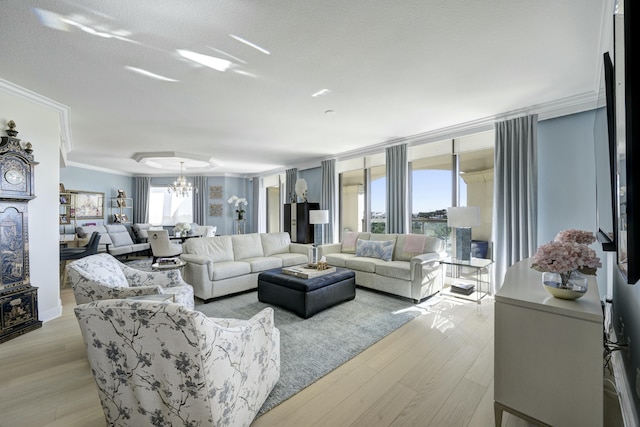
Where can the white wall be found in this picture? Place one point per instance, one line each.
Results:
(40, 125)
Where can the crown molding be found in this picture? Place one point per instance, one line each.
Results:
(65, 130)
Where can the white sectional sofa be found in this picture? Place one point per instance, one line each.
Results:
(400, 264)
(224, 265)
(114, 239)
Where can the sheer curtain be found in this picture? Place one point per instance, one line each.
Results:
(200, 198)
(328, 197)
(141, 186)
(515, 203)
(291, 176)
(397, 184)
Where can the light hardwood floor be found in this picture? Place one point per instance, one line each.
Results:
(437, 370)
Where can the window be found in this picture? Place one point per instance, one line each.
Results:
(377, 195)
(167, 209)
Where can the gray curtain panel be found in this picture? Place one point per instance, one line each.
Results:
(291, 176)
(141, 189)
(397, 184)
(255, 202)
(328, 196)
(200, 198)
(515, 202)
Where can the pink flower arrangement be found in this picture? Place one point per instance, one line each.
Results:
(567, 253)
(577, 236)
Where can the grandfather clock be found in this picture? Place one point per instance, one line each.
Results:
(18, 299)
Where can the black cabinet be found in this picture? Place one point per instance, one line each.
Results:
(296, 221)
(18, 299)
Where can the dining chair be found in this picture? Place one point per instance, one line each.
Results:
(161, 245)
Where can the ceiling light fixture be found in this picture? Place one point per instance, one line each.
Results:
(206, 60)
(248, 43)
(149, 74)
(180, 187)
(320, 92)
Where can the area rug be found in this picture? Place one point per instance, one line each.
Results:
(311, 348)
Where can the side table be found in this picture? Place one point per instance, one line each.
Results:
(168, 266)
(481, 266)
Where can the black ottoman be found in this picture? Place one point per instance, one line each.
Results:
(306, 297)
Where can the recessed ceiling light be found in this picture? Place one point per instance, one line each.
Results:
(206, 60)
(248, 43)
(149, 74)
(320, 92)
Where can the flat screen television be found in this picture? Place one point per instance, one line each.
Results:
(626, 52)
(605, 153)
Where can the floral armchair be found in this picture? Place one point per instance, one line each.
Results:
(101, 276)
(160, 363)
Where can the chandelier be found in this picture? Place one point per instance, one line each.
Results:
(180, 186)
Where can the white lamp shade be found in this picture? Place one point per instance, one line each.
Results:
(319, 217)
(468, 216)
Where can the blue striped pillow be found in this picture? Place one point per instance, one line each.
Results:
(375, 249)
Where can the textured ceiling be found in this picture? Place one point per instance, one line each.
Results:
(392, 69)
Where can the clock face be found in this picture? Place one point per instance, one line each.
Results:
(14, 177)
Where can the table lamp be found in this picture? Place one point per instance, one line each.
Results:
(462, 219)
(316, 217)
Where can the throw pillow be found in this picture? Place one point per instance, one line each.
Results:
(375, 249)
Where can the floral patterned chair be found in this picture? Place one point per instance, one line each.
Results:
(158, 363)
(102, 276)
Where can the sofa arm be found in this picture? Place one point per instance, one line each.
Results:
(195, 259)
(299, 248)
(330, 248)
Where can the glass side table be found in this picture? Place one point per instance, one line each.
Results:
(482, 270)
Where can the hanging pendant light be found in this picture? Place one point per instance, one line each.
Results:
(180, 186)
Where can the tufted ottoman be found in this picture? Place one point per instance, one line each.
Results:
(306, 297)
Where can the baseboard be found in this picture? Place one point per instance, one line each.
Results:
(625, 391)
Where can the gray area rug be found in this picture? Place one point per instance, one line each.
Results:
(311, 348)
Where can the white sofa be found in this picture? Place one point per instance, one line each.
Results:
(401, 264)
(224, 265)
(114, 239)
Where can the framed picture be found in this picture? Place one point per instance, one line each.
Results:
(215, 192)
(88, 205)
(215, 209)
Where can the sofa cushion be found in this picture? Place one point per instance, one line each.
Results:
(246, 246)
(263, 263)
(395, 269)
(363, 263)
(227, 269)
(375, 249)
(350, 239)
(291, 258)
(275, 243)
(87, 230)
(408, 246)
(119, 235)
(217, 249)
(339, 259)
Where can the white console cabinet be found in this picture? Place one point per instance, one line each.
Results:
(548, 353)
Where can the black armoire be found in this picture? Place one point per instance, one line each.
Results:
(296, 221)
